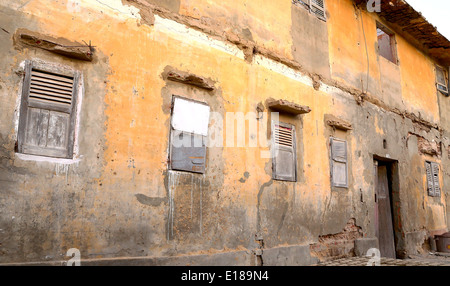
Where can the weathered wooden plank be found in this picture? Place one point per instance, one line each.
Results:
(58, 128)
(386, 229)
(51, 76)
(37, 127)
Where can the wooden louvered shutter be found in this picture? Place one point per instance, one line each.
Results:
(47, 115)
(436, 187)
(339, 171)
(318, 8)
(433, 186)
(430, 183)
(284, 156)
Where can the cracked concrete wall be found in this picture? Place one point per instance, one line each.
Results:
(119, 199)
(47, 205)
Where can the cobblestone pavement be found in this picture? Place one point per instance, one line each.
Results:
(415, 261)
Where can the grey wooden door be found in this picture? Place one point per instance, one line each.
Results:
(384, 224)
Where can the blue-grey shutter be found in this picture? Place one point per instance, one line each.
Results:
(284, 162)
(339, 169)
(187, 147)
(188, 152)
(47, 118)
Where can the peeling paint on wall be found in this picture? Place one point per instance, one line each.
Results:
(118, 198)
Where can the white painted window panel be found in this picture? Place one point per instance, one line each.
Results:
(189, 116)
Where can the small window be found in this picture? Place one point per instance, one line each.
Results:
(339, 169)
(441, 80)
(189, 130)
(284, 162)
(433, 187)
(386, 43)
(47, 113)
(317, 7)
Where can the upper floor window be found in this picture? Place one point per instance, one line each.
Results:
(441, 80)
(386, 43)
(47, 112)
(317, 7)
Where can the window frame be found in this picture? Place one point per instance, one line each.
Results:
(334, 158)
(432, 170)
(194, 137)
(276, 147)
(24, 111)
(445, 84)
(392, 43)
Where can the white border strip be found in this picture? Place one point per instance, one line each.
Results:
(185, 34)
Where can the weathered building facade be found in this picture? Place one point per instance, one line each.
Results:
(95, 94)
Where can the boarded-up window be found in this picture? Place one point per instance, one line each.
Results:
(432, 170)
(284, 162)
(317, 7)
(47, 113)
(386, 43)
(189, 130)
(339, 170)
(441, 80)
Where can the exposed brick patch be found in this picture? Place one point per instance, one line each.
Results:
(339, 245)
(428, 147)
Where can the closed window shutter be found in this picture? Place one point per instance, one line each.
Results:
(430, 181)
(189, 130)
(47, 118)
(433, 186)
(318, 8)
(339, 172)
(188, 152)
(436, 187)
(284, 159)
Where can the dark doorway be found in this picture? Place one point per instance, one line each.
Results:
(385, 177)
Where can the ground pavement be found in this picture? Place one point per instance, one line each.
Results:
(430, 259)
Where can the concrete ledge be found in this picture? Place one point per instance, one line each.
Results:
(297, 255)
(287, 106)
(55, 45)
(337, 123)
(362, 245)
(189, 78)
